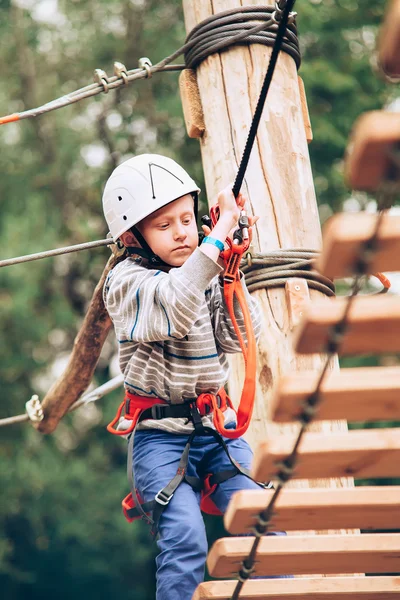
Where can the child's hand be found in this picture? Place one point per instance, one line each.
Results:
(229, 208)
(227, 196)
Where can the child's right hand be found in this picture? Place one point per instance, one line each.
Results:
(229, 207)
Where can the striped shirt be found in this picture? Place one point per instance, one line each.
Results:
(173, 332)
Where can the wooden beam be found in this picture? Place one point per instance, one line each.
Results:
(374, 325)
(362, 394)
(332, 588)
(389, 41)
(368, 159)
(191, 103)
(318, 508)
(304, 110)
(343, 237)
(285, 555)
(361, 454)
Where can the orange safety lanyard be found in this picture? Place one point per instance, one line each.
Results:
(233, 288)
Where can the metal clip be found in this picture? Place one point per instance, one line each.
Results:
(277, 14)
(100, 77)
(120, 71)
(34, 409)
(145, 63)
(162, 498)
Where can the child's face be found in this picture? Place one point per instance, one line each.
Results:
(171, 231)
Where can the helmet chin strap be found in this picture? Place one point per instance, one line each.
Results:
(145, 251)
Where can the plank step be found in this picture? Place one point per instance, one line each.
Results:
(374, 325)
(361, 394)
(368, 161)
(361, 454)
(317, 509)
(389, 41)
(328, 588)
(325, 554)
(343, 237)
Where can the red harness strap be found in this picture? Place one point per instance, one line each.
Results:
(134, 405)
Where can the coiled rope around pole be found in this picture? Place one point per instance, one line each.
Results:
(235, 26)
(273, 269)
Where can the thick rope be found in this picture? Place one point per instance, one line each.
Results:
(266, 271)
(92, 396)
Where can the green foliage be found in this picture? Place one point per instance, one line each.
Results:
(63, 533)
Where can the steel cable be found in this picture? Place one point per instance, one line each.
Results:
(199, 44)
(92, 396)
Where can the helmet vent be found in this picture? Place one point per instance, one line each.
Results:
(124, 217)
(119, 198)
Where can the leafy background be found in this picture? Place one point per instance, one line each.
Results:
(62, 531)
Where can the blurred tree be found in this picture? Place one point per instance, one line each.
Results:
(62, 530)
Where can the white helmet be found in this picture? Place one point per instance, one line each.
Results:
(139, 187)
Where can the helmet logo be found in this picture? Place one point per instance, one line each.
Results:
(151, 176)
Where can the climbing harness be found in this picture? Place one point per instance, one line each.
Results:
(141, 408)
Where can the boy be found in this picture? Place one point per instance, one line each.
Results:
(173, 329)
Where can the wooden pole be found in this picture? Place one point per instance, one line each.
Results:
(278, 185)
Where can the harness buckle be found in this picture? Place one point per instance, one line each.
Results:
(162, 498)
(157, 411)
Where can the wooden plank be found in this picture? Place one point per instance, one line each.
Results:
(361, 454)
(327, 554)
(343, 237)
(317, 508)
(389, 41)
(374, 325)
(191, 103)
(361, 394)
(331, 588)
(368, 156)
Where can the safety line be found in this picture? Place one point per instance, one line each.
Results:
(124, 77)
(92, 396)
(46, 253)
(285, 15)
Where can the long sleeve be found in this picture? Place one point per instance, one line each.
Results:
(152, 306)
(224, 331)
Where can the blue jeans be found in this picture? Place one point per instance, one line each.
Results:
(182, 538)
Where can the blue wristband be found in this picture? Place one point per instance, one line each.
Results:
(210, 240)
